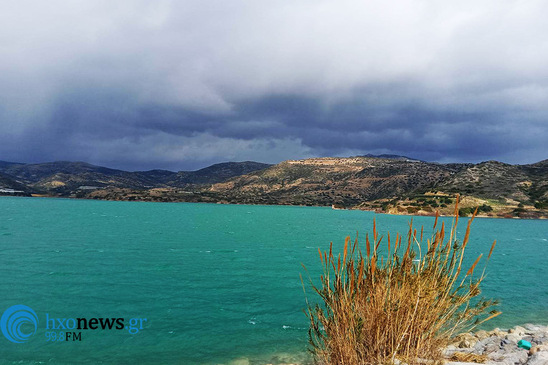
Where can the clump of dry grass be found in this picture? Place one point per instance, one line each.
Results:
(468, 357)
(403, 307)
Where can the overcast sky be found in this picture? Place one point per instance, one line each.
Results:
(184, 84)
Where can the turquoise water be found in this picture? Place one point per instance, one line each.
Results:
(216, 283)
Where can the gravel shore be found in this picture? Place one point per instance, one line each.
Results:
(499, 347)
(496, 347)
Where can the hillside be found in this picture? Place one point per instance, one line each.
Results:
(8, 186)
(215, 173)
(326, 181)
(65, 178)
(394, 184)
(494, 180)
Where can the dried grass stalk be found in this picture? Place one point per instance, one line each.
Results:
(404, 307)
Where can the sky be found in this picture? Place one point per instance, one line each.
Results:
(181, 85)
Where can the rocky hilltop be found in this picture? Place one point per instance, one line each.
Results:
(340, 181)
(396, 185)
(391, 184)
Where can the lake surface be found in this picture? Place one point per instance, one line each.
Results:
(216, 283)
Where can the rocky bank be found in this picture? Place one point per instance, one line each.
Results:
(500, 347)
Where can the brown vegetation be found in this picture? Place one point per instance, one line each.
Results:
(405, 307)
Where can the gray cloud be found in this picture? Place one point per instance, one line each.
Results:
(182, 84)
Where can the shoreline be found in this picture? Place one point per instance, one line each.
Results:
(445, 215)
(495, 347)
(432, 214)
(527, 344)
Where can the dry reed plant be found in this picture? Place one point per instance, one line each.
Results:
(468, 357)
(402, 308)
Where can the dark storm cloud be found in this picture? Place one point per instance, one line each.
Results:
(184, 84)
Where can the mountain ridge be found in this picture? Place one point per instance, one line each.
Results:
(64, 177)
(385, 183)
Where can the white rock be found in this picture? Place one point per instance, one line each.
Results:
(509, 358)
(482, 334)
(540, 358)
(490, 348)
(513, 337)
(531, 328)
(465, 344)
(517, 358)
(518, 330)
(498, 332)
(449, 350)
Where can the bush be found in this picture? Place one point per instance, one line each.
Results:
(465, 212)
(518, 211)
(541, 204)
(485, 208)
(407, 306)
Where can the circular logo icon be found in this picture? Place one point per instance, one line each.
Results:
(17, 321)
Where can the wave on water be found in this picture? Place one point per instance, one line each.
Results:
(218, 251)
(301, 358)
(291, 327)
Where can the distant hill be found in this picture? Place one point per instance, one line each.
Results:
(494, 180)
(391, 157)
(215, 173)
(32, 173)
(7, 183)
(64, 178)
(5, 164)
(326, 181)
(387, 183)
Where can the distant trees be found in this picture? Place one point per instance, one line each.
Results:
(485, 208)
(541, 204)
